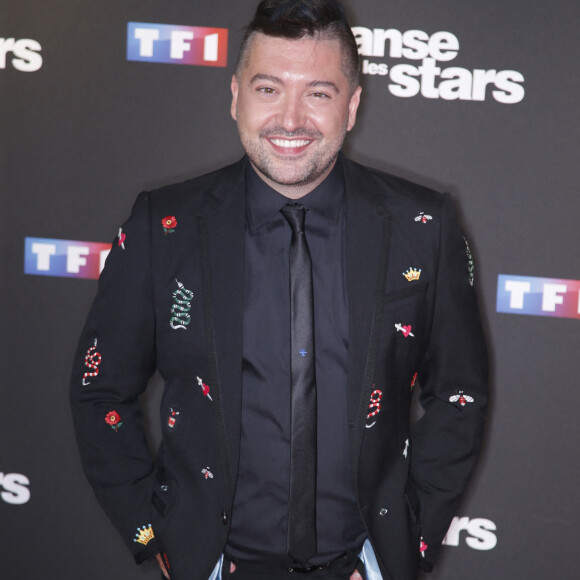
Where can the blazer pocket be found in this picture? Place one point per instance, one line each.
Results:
(164, 495)
(395, 297)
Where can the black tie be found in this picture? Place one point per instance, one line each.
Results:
(302, 504)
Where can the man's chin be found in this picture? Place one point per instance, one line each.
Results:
(293, 180)
(290, 175)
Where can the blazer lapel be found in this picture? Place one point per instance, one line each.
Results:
(367, 248)
(222, 226)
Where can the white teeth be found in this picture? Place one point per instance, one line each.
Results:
(290, 144)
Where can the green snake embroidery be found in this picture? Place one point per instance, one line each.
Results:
(181, 306)
(470, 264)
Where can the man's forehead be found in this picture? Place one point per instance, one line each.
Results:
(285, 57)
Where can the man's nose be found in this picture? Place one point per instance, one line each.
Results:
(292, 113)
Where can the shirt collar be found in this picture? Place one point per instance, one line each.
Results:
(263, 202)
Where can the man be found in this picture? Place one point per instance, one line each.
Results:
(292, 302)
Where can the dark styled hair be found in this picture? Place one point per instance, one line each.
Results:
(295, 19)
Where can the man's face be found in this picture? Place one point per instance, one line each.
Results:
(293, 106)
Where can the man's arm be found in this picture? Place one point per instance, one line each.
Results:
(114, 360)
(453, 379)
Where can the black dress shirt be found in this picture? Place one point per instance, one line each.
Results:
(260, 514)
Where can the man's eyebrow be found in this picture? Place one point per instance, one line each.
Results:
(279, 81)
(264, 77)
(330, 84)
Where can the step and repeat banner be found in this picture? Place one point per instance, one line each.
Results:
(101, 100)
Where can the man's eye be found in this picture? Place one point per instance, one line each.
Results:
(320, 95)
(266, 90)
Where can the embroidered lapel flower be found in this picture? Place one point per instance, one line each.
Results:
(169, 224)
(113, 419)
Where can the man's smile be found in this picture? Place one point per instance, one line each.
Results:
(289, 146)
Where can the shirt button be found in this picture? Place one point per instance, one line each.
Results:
(164, 488)
(224, 517)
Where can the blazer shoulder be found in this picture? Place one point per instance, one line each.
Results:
(201, 194)
(391, 189)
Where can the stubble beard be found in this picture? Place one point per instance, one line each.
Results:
(291, 172)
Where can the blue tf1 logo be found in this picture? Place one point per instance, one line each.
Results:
(538, 296)
(177, 44)
(68, 258)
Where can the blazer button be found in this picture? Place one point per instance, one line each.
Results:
(224, 517)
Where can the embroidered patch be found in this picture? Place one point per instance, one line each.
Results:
(204, 388)
(207, 473)
(423, 547)
(169, 224)
(181, 306)
(405, 329)
(114, 420)
(173, 418)
(470, 263)
(413, 381)
(144, 535)
(423, 217)
(406, 450)
(92, 361)
(461, 399)
(412, 274)
(121, 236)
(374, 406)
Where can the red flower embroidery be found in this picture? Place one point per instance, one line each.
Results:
(113, 419)
(169, 224)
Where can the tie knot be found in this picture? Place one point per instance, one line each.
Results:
(294, 214)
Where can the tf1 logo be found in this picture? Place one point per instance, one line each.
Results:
(538, 296)
(177, 44)
(68, 258)
(14, 490)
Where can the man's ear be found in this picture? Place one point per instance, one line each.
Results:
(353, 107)
(235, 88)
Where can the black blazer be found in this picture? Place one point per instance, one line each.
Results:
(171, 297)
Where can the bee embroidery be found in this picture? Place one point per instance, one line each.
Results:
(461, 399)
(423, 217)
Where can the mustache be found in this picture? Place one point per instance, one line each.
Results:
(298, 132)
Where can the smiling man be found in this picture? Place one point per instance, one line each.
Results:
(292, 303)
(294, 101)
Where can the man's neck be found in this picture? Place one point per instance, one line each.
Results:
(294, 191)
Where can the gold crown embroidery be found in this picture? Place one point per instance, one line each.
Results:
(412, 274)
(144, 535)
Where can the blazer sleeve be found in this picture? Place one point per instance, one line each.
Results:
(114, 360)
(453, 379)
